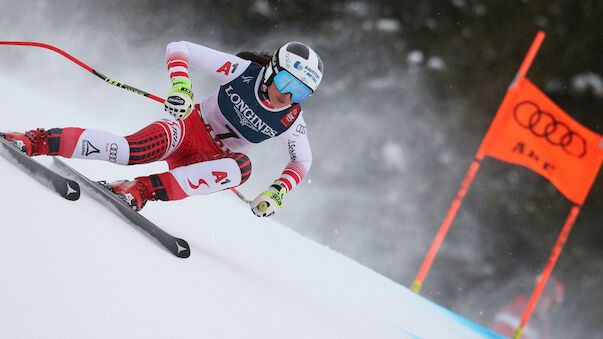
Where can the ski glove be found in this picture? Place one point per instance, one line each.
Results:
(268, 201)
(179, 102)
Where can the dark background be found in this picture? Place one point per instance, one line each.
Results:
(410, 88)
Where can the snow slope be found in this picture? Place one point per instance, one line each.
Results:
(75, 270)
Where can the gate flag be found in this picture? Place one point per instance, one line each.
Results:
(529, 129)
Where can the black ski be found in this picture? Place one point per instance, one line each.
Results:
(67, 188)
(178, 247)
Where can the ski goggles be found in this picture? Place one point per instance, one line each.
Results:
(286, 83)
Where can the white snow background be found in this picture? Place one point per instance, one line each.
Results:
(76, 270)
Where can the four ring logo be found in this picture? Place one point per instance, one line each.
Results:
(544, 125)
(113, 152)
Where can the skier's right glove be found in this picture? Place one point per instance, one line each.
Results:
(179, 102)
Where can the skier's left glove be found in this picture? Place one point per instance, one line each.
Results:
(270, 200)
(179, 102)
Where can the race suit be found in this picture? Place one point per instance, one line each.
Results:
(508, 319)
(205, 151)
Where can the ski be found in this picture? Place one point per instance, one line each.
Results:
(178, 247)
(66, 188)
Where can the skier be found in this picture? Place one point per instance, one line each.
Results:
(204, 144)
(507, 320)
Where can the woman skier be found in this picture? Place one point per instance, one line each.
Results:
(204, 144)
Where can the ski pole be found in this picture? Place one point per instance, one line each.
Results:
(104, 78)
(241, 196)
(84, 66)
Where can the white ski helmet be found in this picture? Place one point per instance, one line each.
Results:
(300, 61)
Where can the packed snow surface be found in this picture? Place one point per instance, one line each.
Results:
(76, 270)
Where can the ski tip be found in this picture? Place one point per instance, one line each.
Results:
(182, 249)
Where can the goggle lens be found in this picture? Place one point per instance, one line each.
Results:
(286, 83)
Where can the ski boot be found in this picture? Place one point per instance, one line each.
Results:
(135, 193)
(34, 142)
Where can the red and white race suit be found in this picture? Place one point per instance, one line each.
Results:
(508, 319)
(205, 151)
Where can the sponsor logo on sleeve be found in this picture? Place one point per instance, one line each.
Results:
(291, 146)
(290, 117)
(227, 68)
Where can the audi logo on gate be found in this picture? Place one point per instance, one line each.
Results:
(544, 125)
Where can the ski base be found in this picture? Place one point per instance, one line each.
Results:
(65, 187)
(178, 247)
